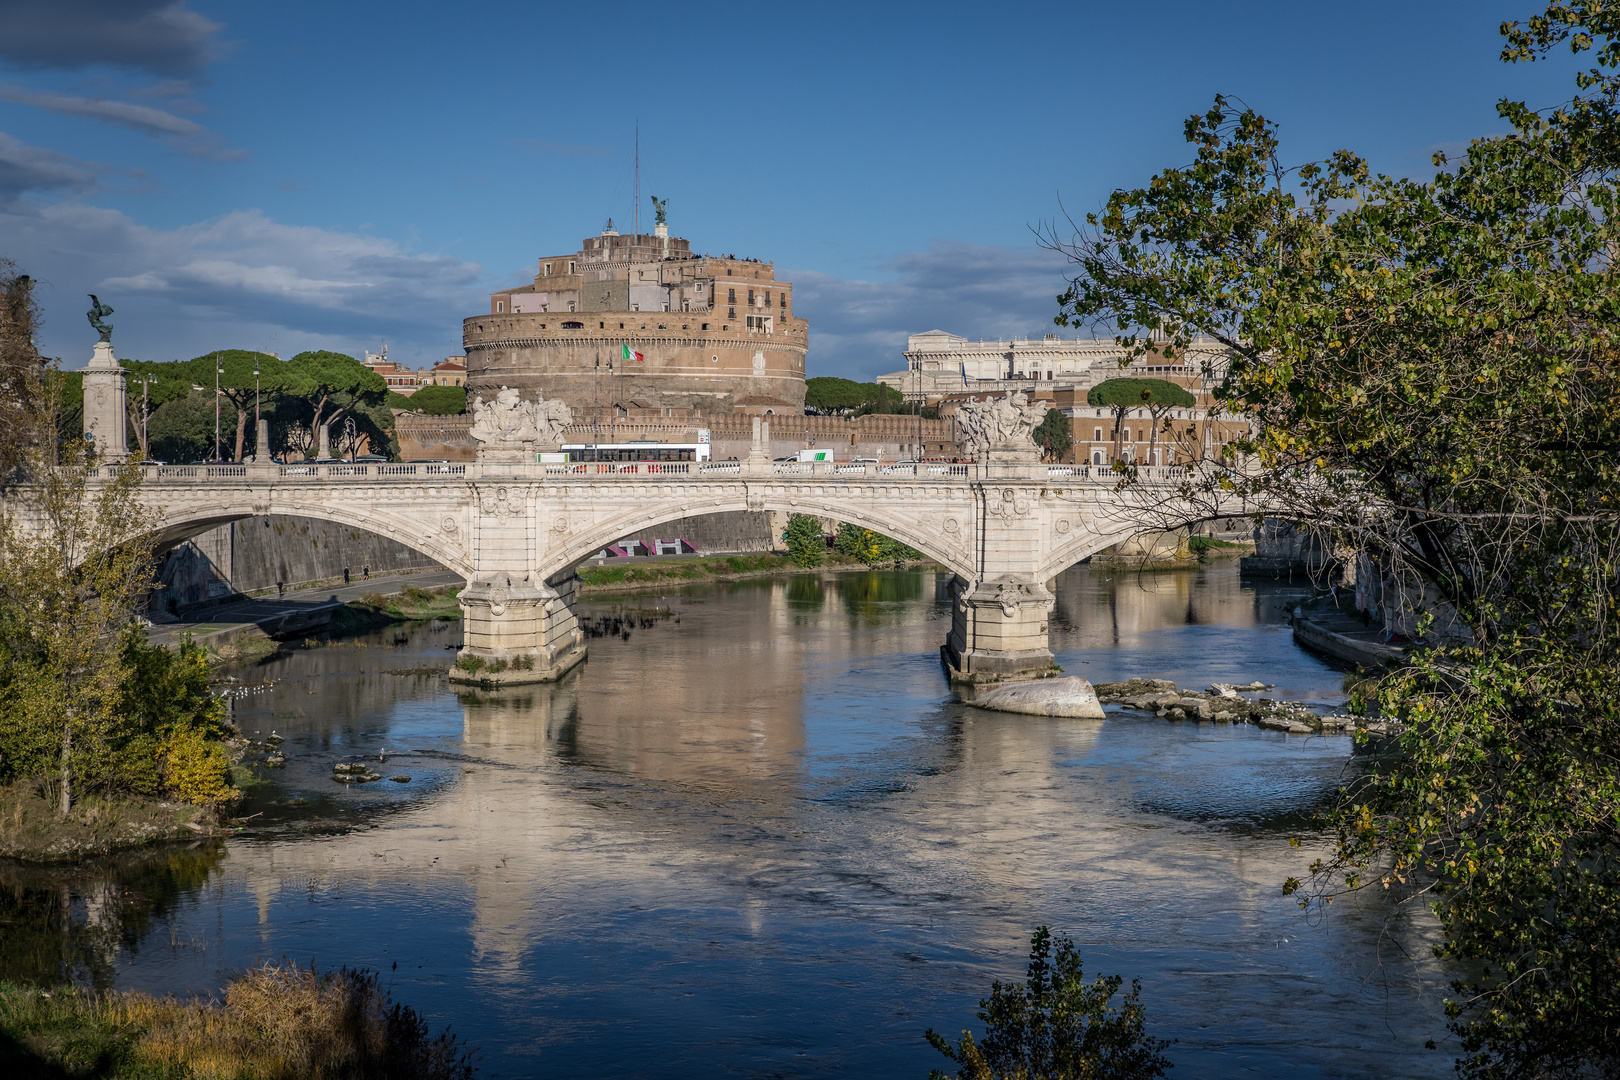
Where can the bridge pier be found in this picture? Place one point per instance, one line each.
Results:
(999, 630)
(517, 629)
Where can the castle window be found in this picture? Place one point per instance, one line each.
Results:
(548, 270)
(784, 301)
(573, 326)
(705, 326)
(570, 305)
(750, 297)
(731, 313)
(500, 306)
(570, 266)
(712, 359)
(731, 297)
(1096, 435)
(767, 298)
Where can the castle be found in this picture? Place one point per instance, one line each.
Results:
(714, 333)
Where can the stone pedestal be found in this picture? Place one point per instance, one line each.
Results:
(261, 452)
(516, 630)
(999, 630)
(324, 449)
(106, 413)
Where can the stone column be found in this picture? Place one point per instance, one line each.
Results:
(324, 449)
(105, 410)
(517, 630)
(261, 452)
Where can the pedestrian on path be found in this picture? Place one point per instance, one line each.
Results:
(365, 572)
(345, 575)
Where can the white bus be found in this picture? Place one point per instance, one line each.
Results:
(636, 451)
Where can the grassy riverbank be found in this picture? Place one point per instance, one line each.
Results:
(375, 611)
(278, 1021)
(652, 575)
(31, 830)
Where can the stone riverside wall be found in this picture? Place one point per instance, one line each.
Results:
(423, 437)
(255, 553)
(715, 534)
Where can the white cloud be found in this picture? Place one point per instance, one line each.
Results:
(185, 135)
(238, 281)
(858, 329)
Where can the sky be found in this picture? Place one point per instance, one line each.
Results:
(298, 175)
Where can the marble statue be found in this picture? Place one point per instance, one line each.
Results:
(1000, 424)
(511, 429)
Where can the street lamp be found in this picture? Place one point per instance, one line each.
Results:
(256, 408)
(219, 369)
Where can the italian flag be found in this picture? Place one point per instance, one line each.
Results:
(630, 354)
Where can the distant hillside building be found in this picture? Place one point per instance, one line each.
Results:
(451, 371)
(713, 331)
(401, 380)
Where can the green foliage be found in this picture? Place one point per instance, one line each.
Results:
(1053, 435)
(806, 543)
(1139, 393)
(182, 429)
(439, 400)
(1433, 366)
(830, 393)
(324, 389)
(871, 547)
(1056, 1027)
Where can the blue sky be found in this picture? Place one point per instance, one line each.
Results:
(305, 175)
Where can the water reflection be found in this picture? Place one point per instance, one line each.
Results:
(759, 837)
(74, 923)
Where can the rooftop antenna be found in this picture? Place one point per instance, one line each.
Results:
(636, 219)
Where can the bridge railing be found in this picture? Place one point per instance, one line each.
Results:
(629, 470)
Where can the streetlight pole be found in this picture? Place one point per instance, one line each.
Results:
(218, 371)
(256, 408)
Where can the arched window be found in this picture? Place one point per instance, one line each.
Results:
(573, 326)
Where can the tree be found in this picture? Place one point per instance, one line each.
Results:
(806, 543)
(1157, 396)
(871, 547)
(149, 387)
(237, 384)
(1053, 435)
(74, 562)
(831, 394)
(323, 387)
(182, 429)
(1055, 1027)
(1432, 367)
(438, 400)
(22, 369)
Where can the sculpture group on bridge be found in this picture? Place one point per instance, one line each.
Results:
(511, 429)
(1000, 424)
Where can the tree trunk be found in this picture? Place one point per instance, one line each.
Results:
(241, 431)
(67, 771)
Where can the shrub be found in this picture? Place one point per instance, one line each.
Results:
(195, 769)
(806, 544)
(871, 547)
(470, 664)
(1055, 1027)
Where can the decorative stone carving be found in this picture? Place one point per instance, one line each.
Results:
(511, 429)
(952, 527)
(1008, 503)
(499, 504)
(1063, 526)
(449, 527)
(1003, 424)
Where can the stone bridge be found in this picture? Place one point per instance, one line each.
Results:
(516, 530)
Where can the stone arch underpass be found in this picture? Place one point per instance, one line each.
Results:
(515, 532)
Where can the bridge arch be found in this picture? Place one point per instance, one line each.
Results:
(889, 521)
(182, 523)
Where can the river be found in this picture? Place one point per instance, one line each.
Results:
(753, 836)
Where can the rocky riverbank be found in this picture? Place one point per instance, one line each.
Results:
(1226, 704)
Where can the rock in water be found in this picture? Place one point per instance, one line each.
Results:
(1070, 696)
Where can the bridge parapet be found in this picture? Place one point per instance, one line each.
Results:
(947, 472)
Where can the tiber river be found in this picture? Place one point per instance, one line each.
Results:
(755, 838)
